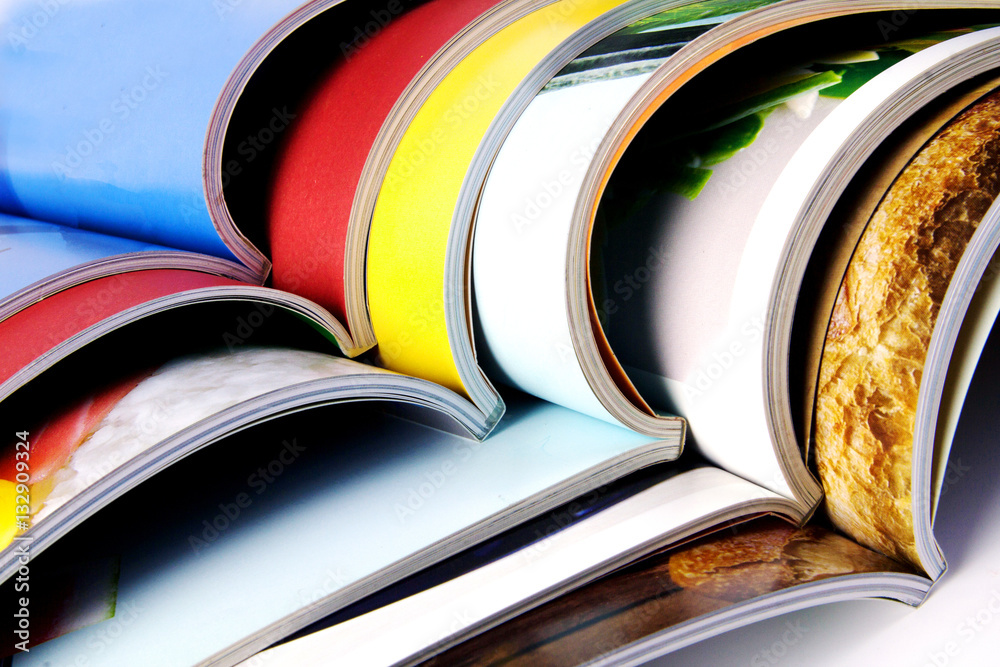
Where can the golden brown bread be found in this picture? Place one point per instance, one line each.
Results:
(771, 556)
(674, 587)
(736, 566)
(882, 322)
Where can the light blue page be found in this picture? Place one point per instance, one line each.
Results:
(334, 512)
(105, 106)
(31, 251)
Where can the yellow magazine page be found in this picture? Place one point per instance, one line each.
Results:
(412, 219)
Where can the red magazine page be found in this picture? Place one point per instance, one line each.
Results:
(317, 174)
(28, 334)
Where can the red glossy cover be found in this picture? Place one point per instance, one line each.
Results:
(31, 332)
(321, 161)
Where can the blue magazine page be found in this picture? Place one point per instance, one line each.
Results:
(105, 109)
(31, 251)
(39, 259)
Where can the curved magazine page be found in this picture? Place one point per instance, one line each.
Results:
(728, 579)
(840, 587)
(103, 444)
(706, 354)
(967, 315)
(392, 133)
(968, 528)
(979, 322)
(350, 500)
(31, 334)
(218, 174)
(735, 360)
(424, 623)
(318, 172)
(407, 292)
(892, 181)
(892, 333)
(32, 252)
(851, 134)
(523, 215)
(523, 332)
(39, 259)
(66, 323)
(843, 229)
(106, 111)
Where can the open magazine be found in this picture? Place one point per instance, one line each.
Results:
(159, 166)
(616, 207)
(883, 501)
(528, 598)
(135, 326)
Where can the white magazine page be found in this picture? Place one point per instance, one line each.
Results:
(979, 322)
(524, 217)
(569, 558)
(673, 239)
(753, 158)
(521, 236)
(804, 182)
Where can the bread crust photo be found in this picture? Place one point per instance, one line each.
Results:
(882, 322)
